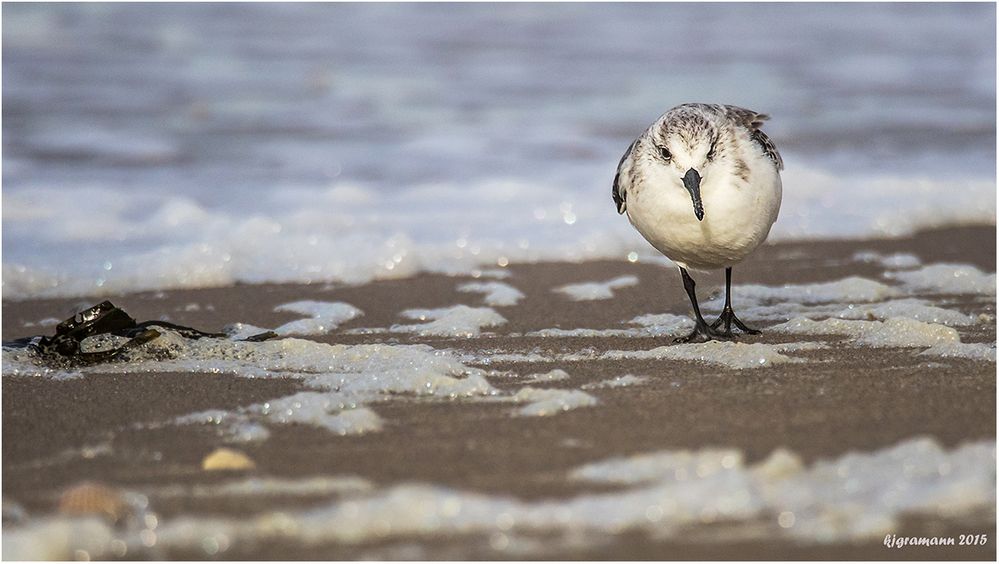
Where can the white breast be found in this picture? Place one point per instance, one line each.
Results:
(738, 214)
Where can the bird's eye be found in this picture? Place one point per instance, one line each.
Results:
(711, 153)
(665, 153)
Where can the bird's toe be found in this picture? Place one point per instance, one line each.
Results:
(703, 334)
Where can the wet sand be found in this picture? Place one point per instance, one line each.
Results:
(852, 399)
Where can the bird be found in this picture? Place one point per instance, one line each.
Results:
(702, 185)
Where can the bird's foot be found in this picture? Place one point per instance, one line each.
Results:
(728, 318)
(702, 333)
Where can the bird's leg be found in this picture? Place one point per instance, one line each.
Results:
(702, 332)
(727, 315)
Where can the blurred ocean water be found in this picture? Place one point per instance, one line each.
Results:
(178, 145)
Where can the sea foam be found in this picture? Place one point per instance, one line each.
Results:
(859, 496)
(342, 380)
(342, 234)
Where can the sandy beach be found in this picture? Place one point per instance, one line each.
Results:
(115, 427)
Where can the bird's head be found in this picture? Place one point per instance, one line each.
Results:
(684, 146)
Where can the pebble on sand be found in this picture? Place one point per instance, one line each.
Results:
(227, 459)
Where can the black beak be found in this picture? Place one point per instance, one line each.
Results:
(692, 182)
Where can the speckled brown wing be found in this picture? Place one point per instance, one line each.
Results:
(753, 121)
(618, 192)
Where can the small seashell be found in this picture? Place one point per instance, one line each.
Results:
(227, 459)
(92, 498)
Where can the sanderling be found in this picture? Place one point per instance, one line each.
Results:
(702, 185)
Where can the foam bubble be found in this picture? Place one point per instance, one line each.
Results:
(551, 376)
(323, 317)
(900, 261)
(973, 351)
(947, 279)
(894, 332)
(616, 382)
(652, 467)
(58, 538)
(321, 410)
(496, 293)
(233, 427)
(652, 325)
(721, 353)
(455, 321)
(486, 358)
(581, 332)
(910, 308)
(850, 298)
(728, 354)
(596, 290)
(893, 261)
(240, 331)
(543, 402)
(265, 486)
(24, 363)
(663, 324)
(852, 289)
